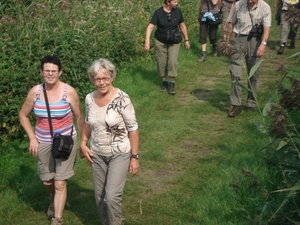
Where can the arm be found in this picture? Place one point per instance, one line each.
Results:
(231, 21)
(199, 10)
(230, 29)
(76, 108)
(232, 5)
(148, 34)
(85, 151)
(25, 122)
(134, 142)
(220, 4)
(185, 34)
(277, 6)
(261, 49)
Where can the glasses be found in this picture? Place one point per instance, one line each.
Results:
(50, 71)
(104, 79)
(169, 17)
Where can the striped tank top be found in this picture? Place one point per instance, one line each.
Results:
(61, 117)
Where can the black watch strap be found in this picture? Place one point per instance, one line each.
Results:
(135, 156)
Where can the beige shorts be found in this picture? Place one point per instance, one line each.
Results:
(57, 169)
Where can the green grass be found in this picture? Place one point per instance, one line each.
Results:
(193, 158)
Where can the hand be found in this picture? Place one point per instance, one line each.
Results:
(85, 152)
(134, 166)
(260, 51)
(147, 47)
(187, 45)
(33, 147)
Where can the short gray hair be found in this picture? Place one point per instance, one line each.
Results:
(102, 64)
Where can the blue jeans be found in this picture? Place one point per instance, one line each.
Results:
(109, 174)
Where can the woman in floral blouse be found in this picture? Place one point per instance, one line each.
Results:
(112, 128)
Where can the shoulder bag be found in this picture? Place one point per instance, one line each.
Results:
(217, 17)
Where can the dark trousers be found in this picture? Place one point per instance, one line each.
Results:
(212, 33)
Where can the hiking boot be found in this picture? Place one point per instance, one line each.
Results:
(202, 57)
(215, 51)
(281, 49)
(172, 88)
(236, 110)
(165, 85)
(50, 211)
(56, 221)
(251, 109)
(292, 46)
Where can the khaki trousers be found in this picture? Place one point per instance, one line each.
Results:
(166, 58)
(109, 174)
(248, 58)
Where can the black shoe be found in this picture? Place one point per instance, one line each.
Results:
(251, 109)
(172, 88)
(280, 51)
(165, 85)
(202, 57)
(292, 46)
(236, 110)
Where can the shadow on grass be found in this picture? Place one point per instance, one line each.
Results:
(217, 98)
(29, 189)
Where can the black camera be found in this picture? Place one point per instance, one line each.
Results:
(169, 35)
(256, 31)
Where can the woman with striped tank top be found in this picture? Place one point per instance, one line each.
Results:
(63, 102)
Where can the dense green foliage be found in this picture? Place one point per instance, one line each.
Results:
(284, 155)
(76, 31)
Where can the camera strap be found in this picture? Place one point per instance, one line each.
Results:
(207, 5)
(48, 111)
(250, 17)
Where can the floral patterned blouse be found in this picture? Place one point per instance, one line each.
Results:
(110, 124)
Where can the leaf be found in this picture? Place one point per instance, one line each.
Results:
(254, 68)
(295, 71)
(261, 127)
(224, 60)
(241, 85)
(266, 109)
(268, 98)
(230, 62)
(296, 140)
(287, 198)
(296, 54)
(281, 144)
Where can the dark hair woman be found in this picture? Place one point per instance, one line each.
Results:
(167, 19)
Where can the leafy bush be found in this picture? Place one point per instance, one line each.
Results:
(279, 200)
(76, 31)
(285, 130)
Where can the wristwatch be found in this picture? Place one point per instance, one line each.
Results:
(264, 43)
(135, 156)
